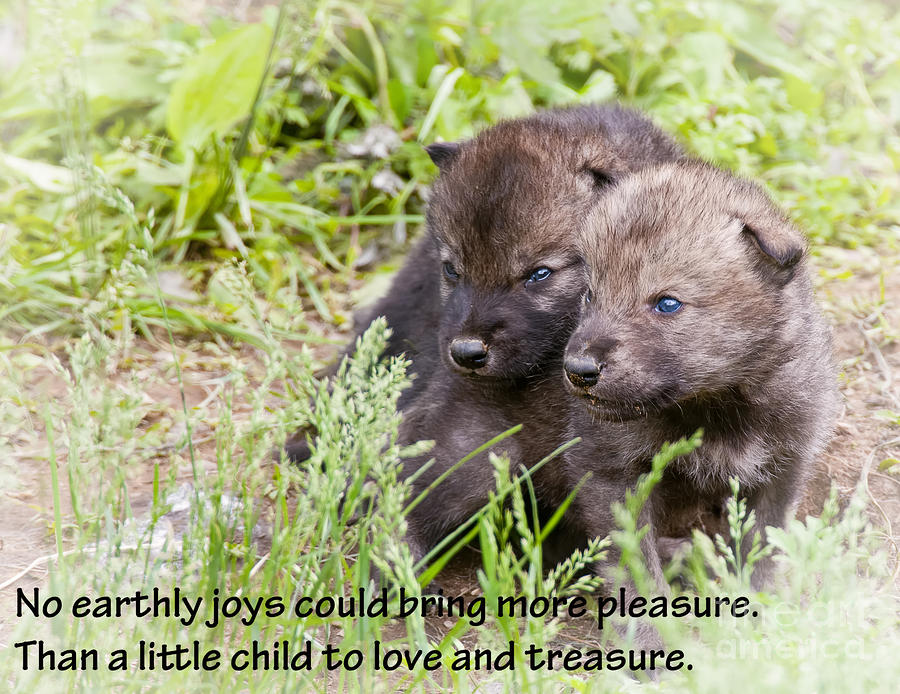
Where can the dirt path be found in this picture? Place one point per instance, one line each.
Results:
(865, 311)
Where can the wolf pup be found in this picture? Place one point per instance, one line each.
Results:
(490, 295)
(491, 289)
(699, 313)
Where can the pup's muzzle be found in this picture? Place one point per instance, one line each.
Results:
(583, 371)
(468, 352)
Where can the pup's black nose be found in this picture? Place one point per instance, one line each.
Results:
(583, 371)
(468, 352)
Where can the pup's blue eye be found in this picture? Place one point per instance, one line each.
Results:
(667, 304)
(538, 275)
(450, 271)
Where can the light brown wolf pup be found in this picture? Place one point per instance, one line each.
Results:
(699, 314)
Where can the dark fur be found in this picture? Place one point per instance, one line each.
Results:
(747, 357)
(511, 200)
(506, 202)
(460, 416)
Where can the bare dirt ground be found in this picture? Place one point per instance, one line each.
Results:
(865, 311)
(859, 290)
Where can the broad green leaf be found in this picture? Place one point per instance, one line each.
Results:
(599, 87)
(217, 86)
(704, 58)
(767, 145)
(802, 95)
(47, 177)
(399, 95)
(891, 465)
(426, 59)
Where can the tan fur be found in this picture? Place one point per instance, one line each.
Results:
(747, 356)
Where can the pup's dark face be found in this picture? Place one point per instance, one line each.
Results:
(505, 216)
(509, 323)
(688, 270)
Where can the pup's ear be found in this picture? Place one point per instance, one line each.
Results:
(777, 243)
(443, 153)
(602, 178)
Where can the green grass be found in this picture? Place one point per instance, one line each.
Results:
(247, 526)
(101, 140)
(159, 230)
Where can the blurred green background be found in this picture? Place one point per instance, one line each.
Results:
(289, 136)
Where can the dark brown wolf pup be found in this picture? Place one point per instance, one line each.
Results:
(490, 290)
(488, 298)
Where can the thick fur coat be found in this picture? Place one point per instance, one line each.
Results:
(699, 313)
(489, 297)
